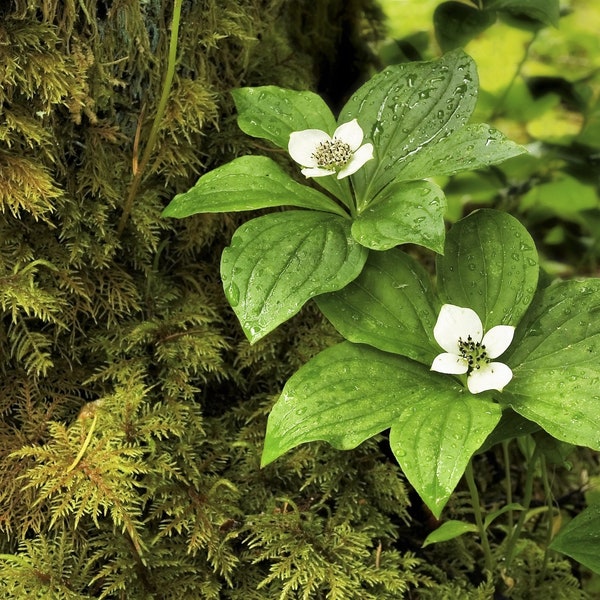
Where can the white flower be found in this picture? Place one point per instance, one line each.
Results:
(459, 331)
(322, 155)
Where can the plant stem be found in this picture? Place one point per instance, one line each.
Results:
(160, 111)
(550, 506)
(508, 486)
(514, 536)
(489, 562)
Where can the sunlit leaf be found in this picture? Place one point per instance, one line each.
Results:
(435, 439)
(472, 147)
(272, 113)
(408, 109)
(349, 392)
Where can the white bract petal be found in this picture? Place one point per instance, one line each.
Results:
(498, 339)
(449, 363)
(459, 331)
(320, 154)
(492, 376)
(302, 145)
(359, 158)
(456, 323)
(351, 133)
(316, 172)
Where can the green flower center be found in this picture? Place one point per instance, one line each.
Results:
(332, 154)
(474, 352)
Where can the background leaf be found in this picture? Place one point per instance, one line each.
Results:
(279, 261)
(565, 197)
(448, 531)
(545, 11)
(490, 264)
(404, 213)
(390, 306)
(579, 539)
(247, 183)
(456, 24)
(349, 392)
(555, 358)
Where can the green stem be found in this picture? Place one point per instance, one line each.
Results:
(489, 562)
(160, 111)
(515, 534)
(550, 506)
(508, 485)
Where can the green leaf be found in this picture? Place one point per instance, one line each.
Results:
(492, 516)
(247, 183)
(581, 537)
(456, 24)
(344, 395)
(449, 531)
(403, 213)
(272, 113)
(348, 393)
(566, 197)
(472, 147)
(490, 264)
(408, 109)
(389, 306)
(590, 132)
(555, 357)
(435, 439)
(545, 11)
(279, 261)
(555, 452)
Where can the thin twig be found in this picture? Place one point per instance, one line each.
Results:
(160, 111)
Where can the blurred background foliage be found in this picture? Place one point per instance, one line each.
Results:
(540, 85)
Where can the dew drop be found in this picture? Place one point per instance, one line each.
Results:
(233, 295)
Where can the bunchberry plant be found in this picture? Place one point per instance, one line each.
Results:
(339, 245)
